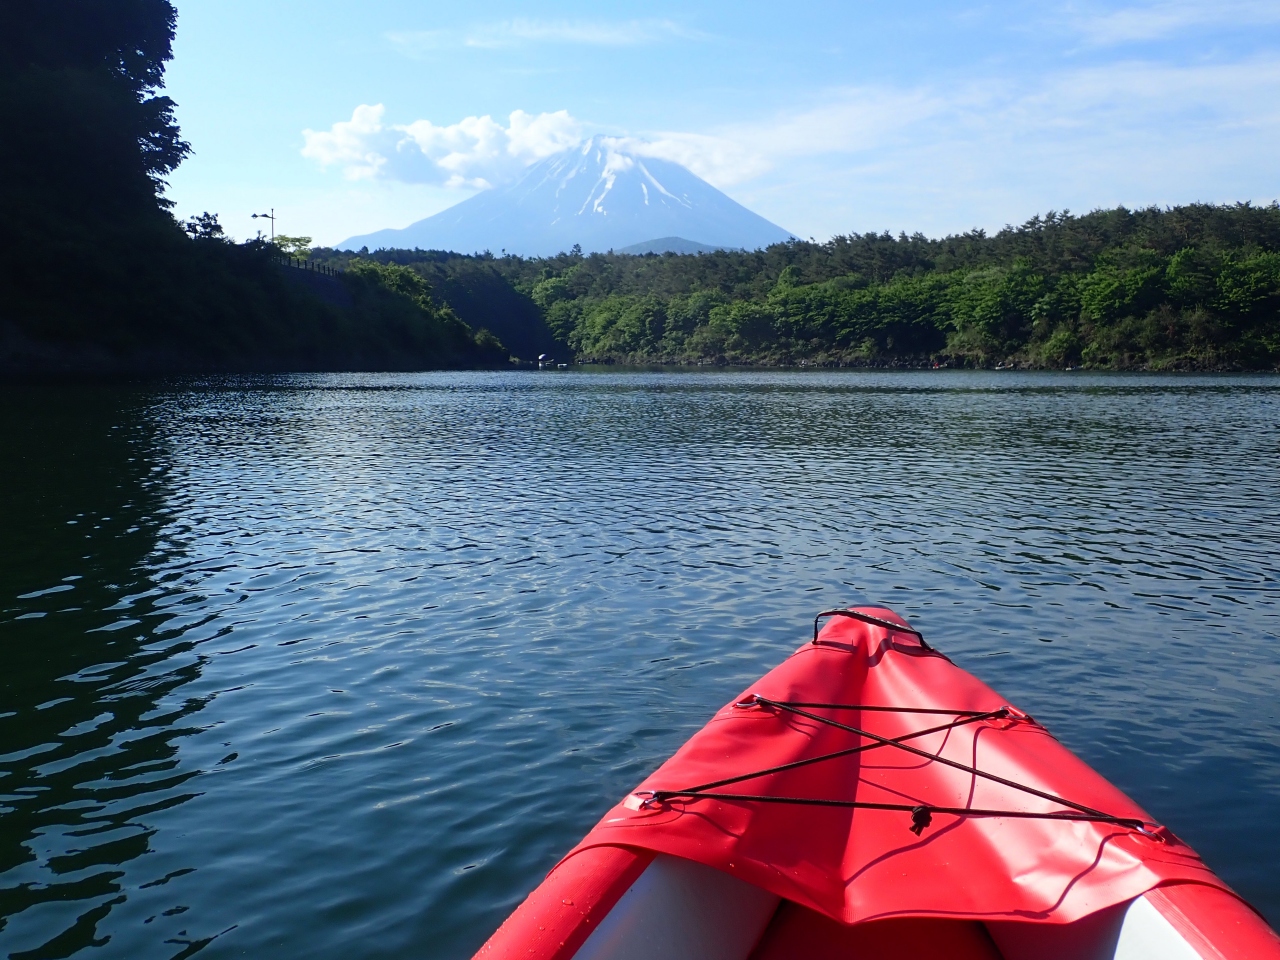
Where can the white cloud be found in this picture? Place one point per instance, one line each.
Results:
(1153, 21)
(591, 33)
(356, 145)
(996, 151)
(414, 43)
(720, 160)
(1095, 109)
(522, 32)
(534, 137)
(852, 121)
(930, 157)
(474, 152)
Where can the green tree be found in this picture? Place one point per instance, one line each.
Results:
(79, 99)
(1248, 285)
(1116, 289)
(292, 246)
(1186, 287)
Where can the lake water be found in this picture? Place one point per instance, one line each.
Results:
(338, 666)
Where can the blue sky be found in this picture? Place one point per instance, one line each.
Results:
(824, 117)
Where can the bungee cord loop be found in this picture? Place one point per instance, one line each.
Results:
(874, 621)
(921, 813)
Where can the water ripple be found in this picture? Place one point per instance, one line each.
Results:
(338, 666)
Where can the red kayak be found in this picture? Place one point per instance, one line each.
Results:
(870, 799)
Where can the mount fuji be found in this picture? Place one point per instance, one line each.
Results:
(599, 195)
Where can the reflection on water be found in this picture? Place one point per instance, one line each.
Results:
(90, 724)
(339, 666)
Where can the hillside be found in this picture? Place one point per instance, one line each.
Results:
(98, 276)
(1194, 287)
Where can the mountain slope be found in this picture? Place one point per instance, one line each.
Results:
(600, 196)
(669, 245)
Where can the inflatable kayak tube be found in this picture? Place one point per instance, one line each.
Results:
(869, 799)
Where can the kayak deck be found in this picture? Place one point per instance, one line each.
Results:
(817, 816)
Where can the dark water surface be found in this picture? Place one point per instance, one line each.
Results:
(338, 666)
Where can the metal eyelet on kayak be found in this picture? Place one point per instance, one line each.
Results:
(751, 701)
(643, 800)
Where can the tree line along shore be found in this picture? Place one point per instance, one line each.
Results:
(98, 275)
(1194, 287)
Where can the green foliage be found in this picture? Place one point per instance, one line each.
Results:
(393, 277)
(478, 290)
(204, 227)
(73, 71)
(395, 307)
(98, 276)
(1183, 288)
(1248, 286)
(1062, 348)
(99, 273)
(292, 246)
(1110, 293)
(1189, 277)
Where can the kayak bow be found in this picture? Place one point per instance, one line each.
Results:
(868, 798)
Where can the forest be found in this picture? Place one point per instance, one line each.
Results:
(1193, 287)
(98, 276)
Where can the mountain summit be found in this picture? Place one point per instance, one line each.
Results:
(599, 195)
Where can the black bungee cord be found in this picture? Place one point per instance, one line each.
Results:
(921, 813)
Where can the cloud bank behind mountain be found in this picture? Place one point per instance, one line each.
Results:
(601, 195)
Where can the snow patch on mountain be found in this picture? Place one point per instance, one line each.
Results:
(604, 194)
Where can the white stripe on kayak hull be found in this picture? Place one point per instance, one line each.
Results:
(1128, 931)
(1146, 933)
(680, 910)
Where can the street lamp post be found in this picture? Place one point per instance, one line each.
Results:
(267, 216)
